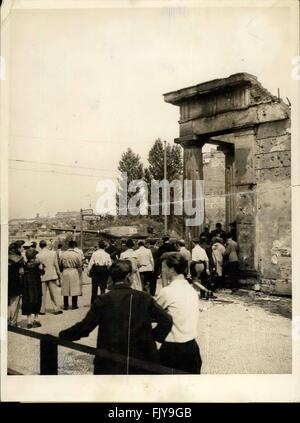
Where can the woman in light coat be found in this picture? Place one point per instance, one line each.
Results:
(70, 282)
(218, 253)
(131, 254)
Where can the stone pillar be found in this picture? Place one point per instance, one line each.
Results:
(192, 170)
(230, 191)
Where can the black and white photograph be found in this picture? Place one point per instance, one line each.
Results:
(150, 171)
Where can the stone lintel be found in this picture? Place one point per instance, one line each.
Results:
(235, 120)
(209, 87)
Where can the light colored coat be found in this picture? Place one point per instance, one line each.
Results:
(135, 277)
(49, 259)
(218, 252)
(70, 281)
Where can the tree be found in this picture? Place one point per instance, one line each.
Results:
(156, 169)
(156, 161)
(130, 163)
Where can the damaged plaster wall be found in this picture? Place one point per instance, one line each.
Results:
(273, 217)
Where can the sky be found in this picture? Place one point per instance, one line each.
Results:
(87, 84)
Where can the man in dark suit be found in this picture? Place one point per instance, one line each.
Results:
(124, 317)
(218, 232)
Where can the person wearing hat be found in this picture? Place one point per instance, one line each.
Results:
(15, 281)
(26, 245)
(70, 279)
(32, 289)
(124, 317)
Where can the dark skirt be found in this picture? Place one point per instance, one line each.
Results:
(32, 292)
(184, 356)
(31, 308)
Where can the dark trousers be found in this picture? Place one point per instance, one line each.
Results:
(99, 279)
(149, 281)
(181, 356)
(74, 301)
(232, 269)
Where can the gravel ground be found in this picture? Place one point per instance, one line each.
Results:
(238, 334)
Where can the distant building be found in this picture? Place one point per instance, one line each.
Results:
(67, 214)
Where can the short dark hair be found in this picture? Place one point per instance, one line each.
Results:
(181, 243)
(141, 243)
(218, 225)
(196, 241)
(43, 244)
(72, 244)
(59, 245)
(101, 244)
(165, 238)
(129, 243)
(176, 261)
(119, 270)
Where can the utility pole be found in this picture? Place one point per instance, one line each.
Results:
(81, 229)
(165, 186)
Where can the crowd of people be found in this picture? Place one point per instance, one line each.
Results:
(126, 274)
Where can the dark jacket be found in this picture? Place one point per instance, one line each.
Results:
(121, 331)
(15, 267)
(166, 247)
(220, 234)
(113, 251)
(32, 287)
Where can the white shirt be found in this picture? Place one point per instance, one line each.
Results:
(99, 258)
(145, 259)
(80, 252)
(181, 301)
(198, 253)
(185, 253)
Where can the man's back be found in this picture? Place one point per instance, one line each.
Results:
(124, 317)
(49, 259)
(113, 251)
(166, 247)
(145, 259)
(232, 250)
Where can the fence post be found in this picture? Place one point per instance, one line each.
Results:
(48, 358)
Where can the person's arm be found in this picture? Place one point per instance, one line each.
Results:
(163, 319)
(86, 326)
(162, 299)
(56, 265)
(200, 286)
(151, 259)
(90, 265)
(205, 256)
(227, 250)
(109, 260)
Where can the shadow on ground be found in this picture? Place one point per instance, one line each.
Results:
(271, 304)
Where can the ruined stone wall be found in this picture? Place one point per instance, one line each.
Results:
(214, 187)
(273, 208)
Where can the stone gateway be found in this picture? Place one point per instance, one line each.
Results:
(252, 128)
